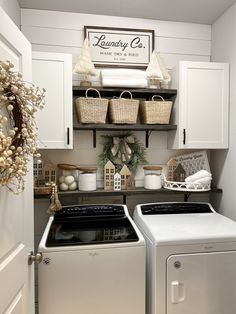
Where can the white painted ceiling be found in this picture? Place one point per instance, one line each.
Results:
(195, 11)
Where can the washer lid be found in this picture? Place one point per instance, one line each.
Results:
(184, 228)
(90, 232)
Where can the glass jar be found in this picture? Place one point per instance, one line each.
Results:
(152, 177)
(68, 177)
(88, 178)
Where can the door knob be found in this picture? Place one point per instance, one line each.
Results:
(35, 258)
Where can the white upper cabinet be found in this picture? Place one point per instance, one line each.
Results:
(53, 71)
(201, 107)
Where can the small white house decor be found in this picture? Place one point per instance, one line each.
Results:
(117, 182)
(19, 101)
(84, 65)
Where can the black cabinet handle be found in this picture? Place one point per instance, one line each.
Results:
(184, 136)
(68, 136)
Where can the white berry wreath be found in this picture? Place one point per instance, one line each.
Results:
(18, 103)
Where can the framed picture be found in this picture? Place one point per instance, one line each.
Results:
(120, 47)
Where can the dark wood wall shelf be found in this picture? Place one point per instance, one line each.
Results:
(148, 128)
(125, 193)
(138, 93)
(134, 127)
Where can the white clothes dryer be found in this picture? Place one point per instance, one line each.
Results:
(93, 262)
(191, 258)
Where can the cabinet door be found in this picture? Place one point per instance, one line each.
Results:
(53, 71)
(201, 283)
(202, 105)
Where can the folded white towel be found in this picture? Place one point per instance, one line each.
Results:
(123, 73)
(124, 82)
(198, 175)
(203, 181)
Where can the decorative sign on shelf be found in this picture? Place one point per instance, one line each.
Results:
(122, 47)
(186, 165)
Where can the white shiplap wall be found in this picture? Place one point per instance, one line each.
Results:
(63, 32)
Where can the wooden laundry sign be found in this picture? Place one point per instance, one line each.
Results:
(120, 47)
(190, 164)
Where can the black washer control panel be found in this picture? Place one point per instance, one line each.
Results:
(86, 211)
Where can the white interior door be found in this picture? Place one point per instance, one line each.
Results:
(16, 211)
(201, 283)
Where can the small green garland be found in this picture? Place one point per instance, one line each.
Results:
(137, 153)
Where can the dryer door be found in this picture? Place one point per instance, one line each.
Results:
(201, 283)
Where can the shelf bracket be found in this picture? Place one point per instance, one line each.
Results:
(186, 196)
(148, 133)
(94, 138)
(124, 199)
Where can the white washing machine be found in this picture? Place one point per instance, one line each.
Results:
(93, 262)
(191, 258)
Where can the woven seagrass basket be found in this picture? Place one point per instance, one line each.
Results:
(156, 111)
(44, 190)
(90, 109)
(123, 110)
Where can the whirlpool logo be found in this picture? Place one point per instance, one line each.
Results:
(47, 261)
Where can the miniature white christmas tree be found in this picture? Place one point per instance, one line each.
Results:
(166, 75)
(153, 72)
(85, 65)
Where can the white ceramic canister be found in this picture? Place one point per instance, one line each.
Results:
(152, 177)
(88, 178)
